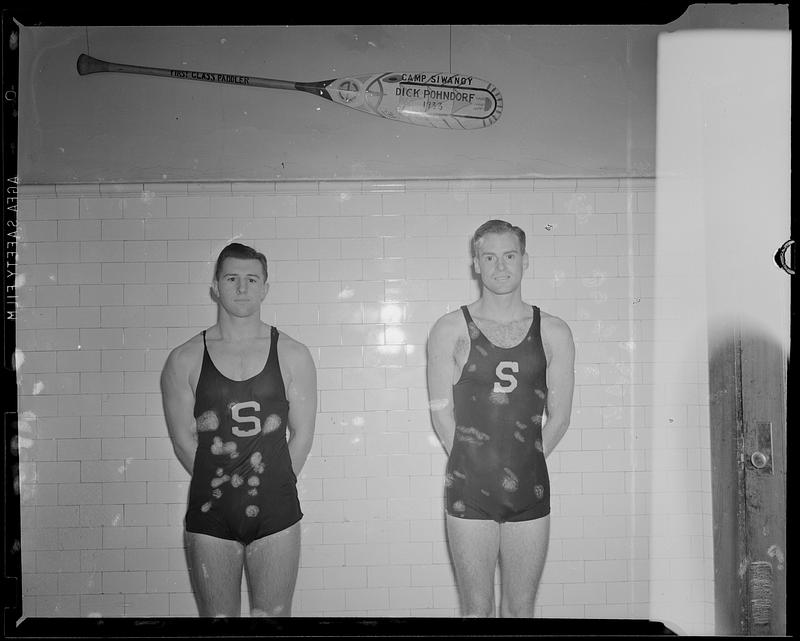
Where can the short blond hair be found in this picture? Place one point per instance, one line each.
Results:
(497, 227)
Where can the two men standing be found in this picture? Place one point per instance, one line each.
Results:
(240, 405)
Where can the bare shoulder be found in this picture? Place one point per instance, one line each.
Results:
(448, 328)
(182, 367)
(555, 331)
(292, 351)
(187, 355)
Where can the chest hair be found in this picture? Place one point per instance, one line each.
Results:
(505, 334)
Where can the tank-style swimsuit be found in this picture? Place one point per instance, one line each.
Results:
(243, 486)
(496, 469)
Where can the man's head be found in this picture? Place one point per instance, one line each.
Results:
(240, 280)
(497, 227)
(499, 257)
(244, 252)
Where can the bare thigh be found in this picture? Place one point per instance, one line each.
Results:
(474, 546)
(523, 551)
(271, 563)
(215, 569)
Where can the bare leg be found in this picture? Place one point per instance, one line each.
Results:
(215, 569)
(271, 563)
(474, 546)
(523, 551)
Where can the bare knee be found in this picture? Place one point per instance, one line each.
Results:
(521, 610)
(279, 610)
(476, 607)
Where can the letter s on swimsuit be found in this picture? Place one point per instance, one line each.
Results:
(510, 379)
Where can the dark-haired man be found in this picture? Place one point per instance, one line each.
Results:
(500, 380)
(240, 403)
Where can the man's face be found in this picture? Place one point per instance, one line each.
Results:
(500, 262)
(241, 287)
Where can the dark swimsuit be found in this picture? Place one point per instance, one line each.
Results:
(496, 469)
(243, 486)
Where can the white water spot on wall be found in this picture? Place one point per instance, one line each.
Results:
(38, 388)
(117, 519)
(395, 335)
(222, 41)
(359, 421)
(17, 359)
(391, 313)
(346, 293)
(20, 443)
(345, 196)
(95, 615)
(433, 441)
(24, 427)
(389, 350)
(439, 404)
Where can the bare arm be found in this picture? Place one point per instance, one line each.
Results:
(301, 392)
(442, 367)
(178, 400)
(560, 380)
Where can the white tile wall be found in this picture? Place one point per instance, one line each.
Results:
(117, 275)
